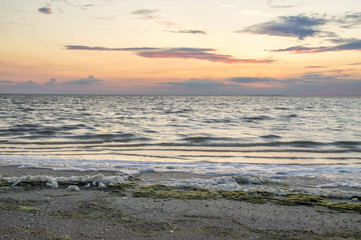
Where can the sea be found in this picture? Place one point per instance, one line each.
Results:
(261, 136)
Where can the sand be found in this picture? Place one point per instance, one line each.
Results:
(40, 212)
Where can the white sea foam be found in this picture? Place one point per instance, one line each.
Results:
(53, 182)
(134, 167)
(341, 183)
(266, 185)
(338, 175)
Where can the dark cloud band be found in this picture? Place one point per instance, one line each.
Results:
(352, 45)
(185, 53)
(300, 26)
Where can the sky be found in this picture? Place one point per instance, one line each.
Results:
(188, 47)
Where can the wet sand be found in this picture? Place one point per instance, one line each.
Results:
(35, 211)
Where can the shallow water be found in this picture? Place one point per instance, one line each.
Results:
(273, 136)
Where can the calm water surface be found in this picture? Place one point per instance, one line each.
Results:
(254, 135)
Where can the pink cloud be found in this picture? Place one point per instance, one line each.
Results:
(185, 53)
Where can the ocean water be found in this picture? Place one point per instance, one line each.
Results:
(272, 136)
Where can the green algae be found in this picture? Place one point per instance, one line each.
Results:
(156, 187)
(10, 204)
(258, 198)
(100, 210)
(344, 206)
(29, 208)
(162, 191)
(303, 199)
(4, 183)
(120, 188)
(309, 200)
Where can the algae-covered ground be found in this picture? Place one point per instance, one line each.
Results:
(161, 191)
(144, 209)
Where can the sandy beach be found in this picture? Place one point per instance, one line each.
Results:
(140, 208)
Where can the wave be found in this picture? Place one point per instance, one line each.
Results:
(201, 139)
(205, 144)
(271, 136)
(38, 129)
(256, 118)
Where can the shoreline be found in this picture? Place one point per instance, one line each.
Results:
(141, 208)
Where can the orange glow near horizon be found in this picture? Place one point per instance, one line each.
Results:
(160, 46)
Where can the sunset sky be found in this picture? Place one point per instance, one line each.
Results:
(189, 47)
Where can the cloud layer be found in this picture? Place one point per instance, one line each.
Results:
(300, 26)
(81, 85)
(185, 53)
(189, 31)
(352, 45)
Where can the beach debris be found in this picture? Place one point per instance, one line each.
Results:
(16, 182)
(73, 188)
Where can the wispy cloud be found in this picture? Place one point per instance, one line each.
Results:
(278, 4)
(190, 31)
(300, 26)
(185, 53)
(45, 10)
(314, 67)
(22, 24)
(146, 14)
(197, 53)
(303, 25)
(350, 20)
(84, 6)
(82, 47)
(149, 14)
(353, 45)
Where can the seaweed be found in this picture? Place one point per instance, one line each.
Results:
(4, 183)
(120, 188)
(162, 191)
